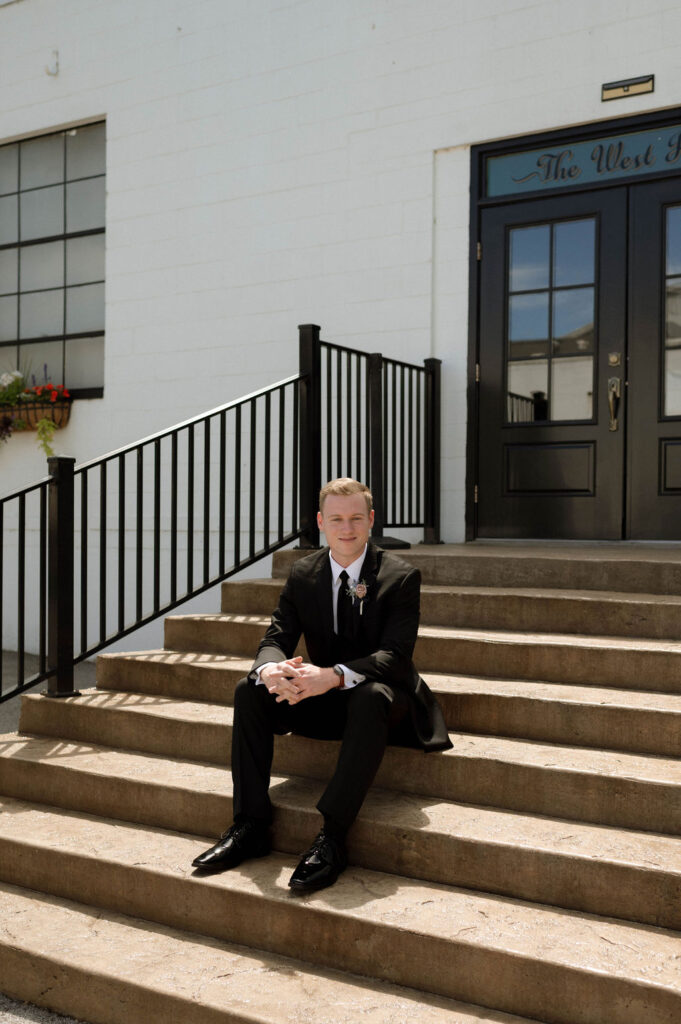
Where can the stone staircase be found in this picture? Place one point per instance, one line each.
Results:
(532, 873)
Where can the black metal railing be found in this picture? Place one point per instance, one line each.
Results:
(94, 552)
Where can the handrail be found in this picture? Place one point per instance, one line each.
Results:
(159, 435)
(122, 539)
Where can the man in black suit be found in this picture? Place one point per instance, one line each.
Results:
(358, 610)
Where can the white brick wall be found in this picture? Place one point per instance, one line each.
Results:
(275, 163)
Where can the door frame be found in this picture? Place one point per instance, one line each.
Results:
(478, 202)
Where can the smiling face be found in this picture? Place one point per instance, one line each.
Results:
(346, 522)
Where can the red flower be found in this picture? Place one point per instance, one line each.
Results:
(53, 396)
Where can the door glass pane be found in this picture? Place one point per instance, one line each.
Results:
(42, 213)
(574, 250)
(529, 324)
(85, 204)
(9, 220)
(529, 260)
(85, 362)
(672, 327)
(674, 240)
(572, 388)
(42, 266)
(9, 169)
(85, 308)
(573, 321)
(85, 259)
(672, 374)
(527, 391)
(8, 318)
(673, 314)
(9, 270)
(85, 151)
(41, 314)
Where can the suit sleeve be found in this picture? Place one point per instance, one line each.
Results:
(283, 633)
(392, 661)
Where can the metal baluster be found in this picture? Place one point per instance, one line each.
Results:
(339, 416)
(190, 509)
(393, 436)
(295, 512)
(102, 553)
(402, 444)
(358, 416)
(252, 482)
(21, 588)
(206, 501)
(83, 558)
(419, 484)
(157, 524)
(267, 468)
(348, 401)
(223, 489)
(237, 486)
(121, 542)
(173, 518)
(410, 448)
(327, 471)
(139, 533)
(280, 478)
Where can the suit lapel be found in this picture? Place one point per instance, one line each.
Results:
(324, 598)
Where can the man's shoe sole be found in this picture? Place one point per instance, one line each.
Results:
(304, 887)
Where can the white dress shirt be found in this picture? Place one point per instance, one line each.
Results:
(353, 570)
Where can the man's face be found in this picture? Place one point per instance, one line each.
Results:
(346, 522)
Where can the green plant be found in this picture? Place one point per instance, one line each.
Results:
(45, 434)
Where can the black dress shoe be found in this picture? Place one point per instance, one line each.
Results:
(320, 866)
(242, 841)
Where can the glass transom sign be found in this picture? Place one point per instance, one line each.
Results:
(550, 321)
(52, 208)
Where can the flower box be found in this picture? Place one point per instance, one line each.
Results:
(26, 415)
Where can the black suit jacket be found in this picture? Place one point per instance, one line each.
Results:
(383, 638)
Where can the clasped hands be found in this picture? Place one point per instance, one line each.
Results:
(294, 679)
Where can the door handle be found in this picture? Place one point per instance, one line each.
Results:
(614, 395)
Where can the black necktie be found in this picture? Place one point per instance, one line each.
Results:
(344, 609)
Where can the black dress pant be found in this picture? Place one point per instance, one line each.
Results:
(361, 717)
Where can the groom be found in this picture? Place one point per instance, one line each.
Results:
(358, 610)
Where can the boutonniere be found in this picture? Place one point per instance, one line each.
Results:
(358, 591)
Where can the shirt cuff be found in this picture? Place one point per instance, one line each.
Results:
(258, 680)
(350, 678)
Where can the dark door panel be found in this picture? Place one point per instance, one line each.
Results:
(654, 374)
(552, 341)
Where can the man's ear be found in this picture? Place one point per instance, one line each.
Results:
(320, 521)
(371, 518)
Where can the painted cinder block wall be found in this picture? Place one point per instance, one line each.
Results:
(271, 163)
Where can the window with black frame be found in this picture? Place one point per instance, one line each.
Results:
(52, 230)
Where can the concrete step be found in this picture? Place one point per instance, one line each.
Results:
(622, 567)
(588, 660)
(630, 720)
(535, 610)
(506, 954)
(109, 968)
(629, 790)
(631, 875)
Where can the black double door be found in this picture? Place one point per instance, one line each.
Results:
(580, 366)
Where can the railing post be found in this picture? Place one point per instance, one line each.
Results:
(60, 577)
(376, 477)
(310, 433)
(433, 412)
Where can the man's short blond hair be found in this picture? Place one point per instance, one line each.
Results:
(343, 487)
